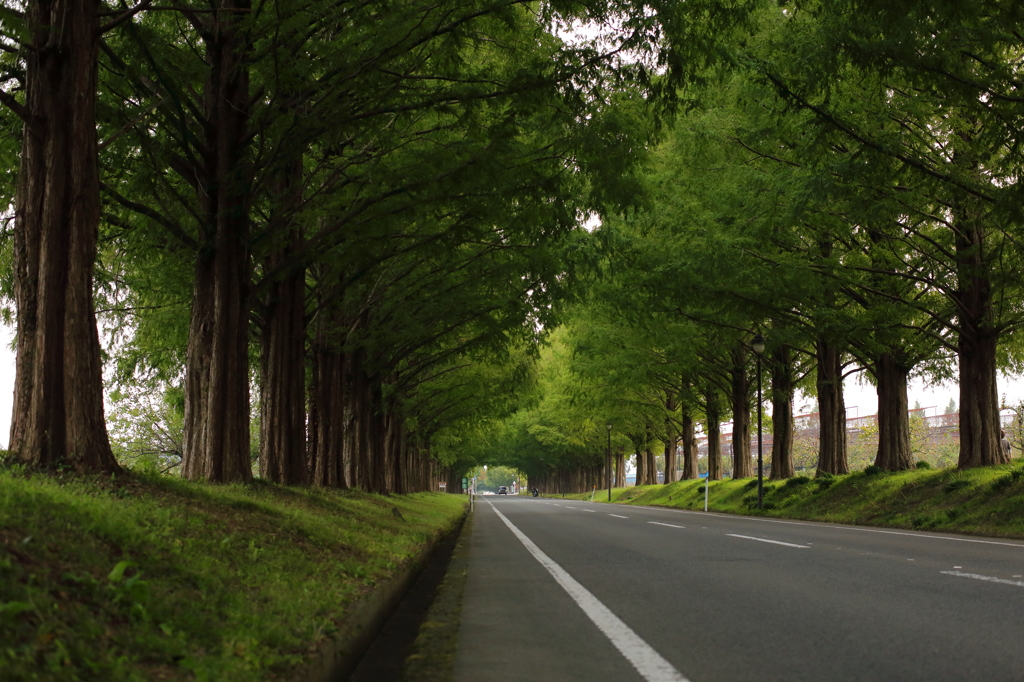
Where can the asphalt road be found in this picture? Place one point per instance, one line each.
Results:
(590, 591)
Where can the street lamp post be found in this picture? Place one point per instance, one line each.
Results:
(758, 345)
(608, 460)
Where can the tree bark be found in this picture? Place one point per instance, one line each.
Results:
(894, 453)
(741, 465)
(782, 414)
(832, 411)
(712, 426)
(216, 444)
(395, 447)
(58, 398)
(640, 475)
(620, 468)
(670, 459)
(690, 470)
(977, 342)
(282, 351)
(979, 402)
(331, 409)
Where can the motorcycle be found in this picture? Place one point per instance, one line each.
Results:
(535, 493)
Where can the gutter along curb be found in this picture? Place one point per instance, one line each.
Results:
(337, 658)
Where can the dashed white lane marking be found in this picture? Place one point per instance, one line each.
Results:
(774, 542)
(568, 507)
(589, 510)
(829, 526)
(618, 517)
(648, 662)
(986, 578)
(670, 525)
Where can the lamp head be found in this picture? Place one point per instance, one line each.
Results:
(608, 426)
(757, 343)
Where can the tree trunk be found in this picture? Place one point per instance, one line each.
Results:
(620, 468)
(782, 414)
(216, 446)
(454, 475)
(650, 464)
(283, 371)
(670, 443)
(894, 453)
(331, 409)
(977, 343)
(741, 466)
(395, 452)
(377, 455)
(712, 427)
(832, 411)
(58, 398)
(979, 402)
(670, 460)
(640, 476)
(356, 421)
(690, 470)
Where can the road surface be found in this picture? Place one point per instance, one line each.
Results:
(564, 590)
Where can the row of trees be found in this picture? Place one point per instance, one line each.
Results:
(363, 212)
(368, 213)
(847, 185)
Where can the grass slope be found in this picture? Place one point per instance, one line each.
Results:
(145, 578)
(984, 501)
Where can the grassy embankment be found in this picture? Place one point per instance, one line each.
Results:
(984, 501)
(145, 578)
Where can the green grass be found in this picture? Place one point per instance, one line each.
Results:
(984, 501)
(147, 578)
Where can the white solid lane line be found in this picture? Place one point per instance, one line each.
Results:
(670, 525)
(618, 517)
(986, 578)
(648, 662)
(774, 542)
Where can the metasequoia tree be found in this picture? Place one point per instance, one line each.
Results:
(58, 402)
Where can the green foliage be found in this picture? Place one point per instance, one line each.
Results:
(141, 577)
(147, 428)
(922, 465)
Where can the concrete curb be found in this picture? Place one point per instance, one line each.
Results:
(338, 657)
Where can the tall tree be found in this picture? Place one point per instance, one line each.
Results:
(58, 403)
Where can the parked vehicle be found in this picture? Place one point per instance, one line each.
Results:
(502, 490)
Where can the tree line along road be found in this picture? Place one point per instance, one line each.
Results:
(568, 590)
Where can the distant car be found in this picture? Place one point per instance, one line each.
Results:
(502, 490)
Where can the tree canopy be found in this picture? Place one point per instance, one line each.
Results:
(377, 244)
